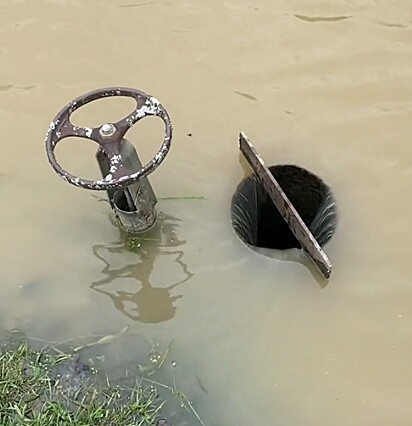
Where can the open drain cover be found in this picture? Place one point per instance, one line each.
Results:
(284, 207)
(258, 222)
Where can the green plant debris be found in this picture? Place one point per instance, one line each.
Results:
(184, 402)
(31, 395)
(105, 200)
(201, 197)
(135, 244)
(189, 197)
(103, 340)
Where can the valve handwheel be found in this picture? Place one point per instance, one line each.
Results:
(109, 137)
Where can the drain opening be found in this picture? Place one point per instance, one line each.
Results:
(257, 221)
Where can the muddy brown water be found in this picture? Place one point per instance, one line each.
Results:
(325, 85)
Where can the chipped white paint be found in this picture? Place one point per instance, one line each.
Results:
(115, 159)
(53, 125)
(108, 180)
(158, 157)
(51, 128)
(88, 131)
(72, 106)
(150, 107)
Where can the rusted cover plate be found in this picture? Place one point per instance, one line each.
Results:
(302, 233)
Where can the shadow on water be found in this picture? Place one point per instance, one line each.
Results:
(148, 304)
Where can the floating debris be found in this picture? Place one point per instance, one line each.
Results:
(322, 18)
(194, 197)
(247, 96)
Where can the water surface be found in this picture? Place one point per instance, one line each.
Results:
(326, 86)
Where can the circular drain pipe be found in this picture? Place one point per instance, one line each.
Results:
(257, 221)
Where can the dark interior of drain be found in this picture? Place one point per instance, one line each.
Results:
(121, 202)
(257, 221)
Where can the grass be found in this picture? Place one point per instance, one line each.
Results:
(31, 396)
(37, 389)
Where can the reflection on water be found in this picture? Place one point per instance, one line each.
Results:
(145, 302)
